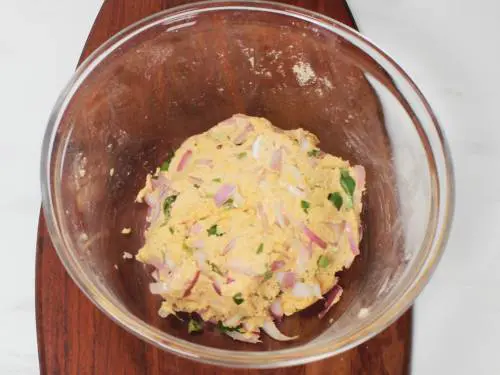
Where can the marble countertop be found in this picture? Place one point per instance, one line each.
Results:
(449, 47)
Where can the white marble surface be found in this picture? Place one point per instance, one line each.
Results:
(452, 51)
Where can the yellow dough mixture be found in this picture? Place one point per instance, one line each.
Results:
(249, 223)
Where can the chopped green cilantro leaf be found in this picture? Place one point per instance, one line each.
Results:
(166, 164)
(347, 182)
(215, 268)
(267, 275)
(336, 199)
(213, 231)
(194, 326)
(323, 261)
(260, 249)
(218, 179)
(314, 153)
(241, 155)
(238, 298)
(305, 206)
(167, 205)
(224, 328)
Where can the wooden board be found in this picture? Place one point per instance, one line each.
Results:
(74, 337)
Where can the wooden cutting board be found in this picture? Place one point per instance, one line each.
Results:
(74, 337)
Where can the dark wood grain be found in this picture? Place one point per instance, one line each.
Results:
(74, 337)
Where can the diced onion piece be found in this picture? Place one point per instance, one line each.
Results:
(192, 283)
(313, 237)
(217, 287)
(276, 308)
(195, 180)
(262, 215)
(201, 258)
(350, 238)
(184, 160)
(302, 290)
(233, 321)
(240, 266)
(332, 298)
(223, 194)
(277, 160)
(162, 182)
(207, 162)
(195, 229)
(288, 280)
(278, 212)
(256, 147)
(230, 245)
(242, 137)
(253, 338)
(158, 288)
(277, 264)
(270, 328)
(296, 191)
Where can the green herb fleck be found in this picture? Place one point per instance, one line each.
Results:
(305, 206)
(194, 326)
(267, 275)
(347, 182)
(260, 249)
(336, 199)
(166, 164)
(241, 155)
(314, 153)
(215, 268)
(238, 298)
(186, 248)
(167, 205)
(171, 229)
(323, 261)
(218, 179)
(213, 231)
(224, 328)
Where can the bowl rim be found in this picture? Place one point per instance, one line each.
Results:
(204, 354)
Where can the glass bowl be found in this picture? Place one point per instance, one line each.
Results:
(181, 71)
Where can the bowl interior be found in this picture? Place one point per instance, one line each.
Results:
(182, 73)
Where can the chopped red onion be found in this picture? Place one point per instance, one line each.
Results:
(242, 137)
(313, 237)
(238, 265)
(331, 299)
(195, 180)
(191, 284)
(276, 309)
(256, 147)
(158, 288)
(263, 216)
(199, 244)
(184, 159)
(230, 245)
(217, 287)
(277, 264)
(302, 290)
(288, 281)
(196, 228)
(223, 194)
(350, 238)
(233, 321)
(277, 160)
(270, 328)
(206, 162)
(278, 212)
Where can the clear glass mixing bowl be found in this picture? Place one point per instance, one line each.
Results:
(179, 72)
